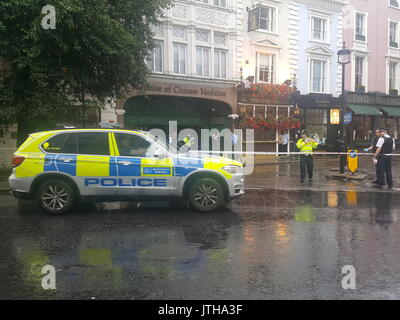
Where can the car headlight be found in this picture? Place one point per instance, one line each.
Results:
(232, 169)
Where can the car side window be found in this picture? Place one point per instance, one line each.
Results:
(61, 143)
(95, 143)
(131, 145)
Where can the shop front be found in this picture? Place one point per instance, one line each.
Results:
(371, 111)
(267, 109)
(192, 104)
(320, 117)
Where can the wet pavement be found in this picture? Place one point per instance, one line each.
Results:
(282, 240)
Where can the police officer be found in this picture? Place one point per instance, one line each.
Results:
(373, 149)
(306, 145)
(383, 159)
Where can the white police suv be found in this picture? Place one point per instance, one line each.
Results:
(58, 168)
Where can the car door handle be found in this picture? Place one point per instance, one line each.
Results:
(65, 159)
(125, 163)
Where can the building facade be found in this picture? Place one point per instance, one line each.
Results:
(319, 76)
(372, 33)
(268, 62)
(195, 68)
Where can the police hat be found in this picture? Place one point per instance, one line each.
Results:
(383, 129)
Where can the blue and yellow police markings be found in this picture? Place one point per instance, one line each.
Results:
(185, 166)
(60, 163)
(156, 167)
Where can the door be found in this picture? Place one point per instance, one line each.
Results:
(141, 171)
(94, 164)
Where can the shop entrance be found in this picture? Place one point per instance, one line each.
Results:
(149, 112)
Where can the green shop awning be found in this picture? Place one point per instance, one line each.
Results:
(392, 111)
(364, 110)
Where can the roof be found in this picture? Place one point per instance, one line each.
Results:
(85, 130)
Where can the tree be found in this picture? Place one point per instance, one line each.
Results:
(98, 49)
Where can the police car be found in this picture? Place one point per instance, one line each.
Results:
(59, 168)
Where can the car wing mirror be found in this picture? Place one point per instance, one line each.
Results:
(159, 154)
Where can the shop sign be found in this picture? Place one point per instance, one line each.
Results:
(185, 90)
(348, 117)
(335, 116)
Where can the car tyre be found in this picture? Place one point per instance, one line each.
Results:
(206, 195)
(55, 197)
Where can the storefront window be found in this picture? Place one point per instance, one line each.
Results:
(318, 133)
(392, 125)
(363, 127)
(260, 111)
(316, 121)
(282, 112)
(271, 113)
(314, 116)
(246, 110)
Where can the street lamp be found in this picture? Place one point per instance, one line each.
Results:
(343, 59)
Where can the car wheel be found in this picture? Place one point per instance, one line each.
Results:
(206, 195)
(55, 196)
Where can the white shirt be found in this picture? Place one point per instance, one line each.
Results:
(381, 141)
(284, 139)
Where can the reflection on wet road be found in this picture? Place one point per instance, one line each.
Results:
(270, 244)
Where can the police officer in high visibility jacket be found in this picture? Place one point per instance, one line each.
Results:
(383, 159)
(306, 145)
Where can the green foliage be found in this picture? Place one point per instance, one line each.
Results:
(100, 44)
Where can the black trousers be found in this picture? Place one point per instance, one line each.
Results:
(384, 170)
(306, 165)
(282, 148)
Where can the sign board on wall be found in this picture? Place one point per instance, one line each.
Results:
(335, 116)
(348, 117)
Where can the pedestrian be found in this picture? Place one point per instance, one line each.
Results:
(383, 159)
(306, 145)
(373, 149)
(283, 141)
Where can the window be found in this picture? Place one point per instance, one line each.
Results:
(179, 32)
(318, 75)
(219, 39)
(266, 67)
(130, 145)
(393, 35)
(392, 75)
(220, 3)
(359, 71)
(156, 62)
(394, 3)
(203, 1)
(203, 62)
(360, 27)
(319, 29)
(220, 63)
(202, 36)
(157, 29)
(179, 58)
(93, 143)
(62, 143)
(263, 18)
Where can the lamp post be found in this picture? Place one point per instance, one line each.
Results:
(343, 59)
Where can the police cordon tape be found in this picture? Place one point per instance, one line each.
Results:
(291, 153)
(261, 152)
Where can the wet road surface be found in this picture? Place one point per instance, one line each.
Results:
(283, 240)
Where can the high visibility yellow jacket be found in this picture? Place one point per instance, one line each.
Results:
(306, 147)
